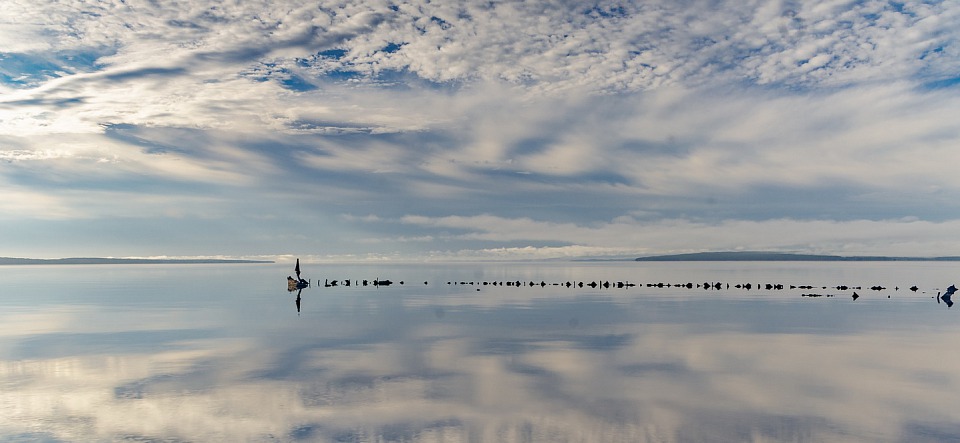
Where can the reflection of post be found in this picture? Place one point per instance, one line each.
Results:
(298, 301)
(946, 297)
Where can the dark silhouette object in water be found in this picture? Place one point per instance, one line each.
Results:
(914, 288)
(855, 296)
(946, 297)
(301, 283)
(298, 300)
(294, 284)
(298, 283)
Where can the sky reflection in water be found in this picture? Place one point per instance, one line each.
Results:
(205, 353)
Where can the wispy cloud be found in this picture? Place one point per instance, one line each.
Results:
(544, 120)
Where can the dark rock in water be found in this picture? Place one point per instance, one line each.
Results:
(856, 296)
(914, 288)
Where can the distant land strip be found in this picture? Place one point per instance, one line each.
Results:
(118, 261)
(779, 256)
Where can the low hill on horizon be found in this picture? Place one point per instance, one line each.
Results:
(781, 256)
(117, 261)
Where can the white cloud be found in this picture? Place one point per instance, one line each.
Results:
(701, 111)
(626, 236)
(551, 46)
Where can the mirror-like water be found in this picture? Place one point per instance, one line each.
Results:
(225, 353)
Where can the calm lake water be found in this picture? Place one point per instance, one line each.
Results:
(222, 353)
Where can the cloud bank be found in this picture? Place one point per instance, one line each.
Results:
(483, 129)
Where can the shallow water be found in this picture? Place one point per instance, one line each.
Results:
(221, 353)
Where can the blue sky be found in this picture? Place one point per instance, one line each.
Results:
(382, 130)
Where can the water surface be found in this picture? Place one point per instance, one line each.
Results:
(225, 353)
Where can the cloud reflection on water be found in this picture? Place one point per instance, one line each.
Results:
(467, 382)
(187, 360)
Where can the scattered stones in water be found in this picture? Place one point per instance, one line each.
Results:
(624, 284)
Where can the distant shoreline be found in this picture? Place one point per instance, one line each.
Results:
(776, 256)
(119, 261)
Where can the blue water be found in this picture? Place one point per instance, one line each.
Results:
(224, 353)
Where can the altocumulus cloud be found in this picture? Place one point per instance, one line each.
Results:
(505, 129)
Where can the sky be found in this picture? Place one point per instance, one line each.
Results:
(478, 130)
